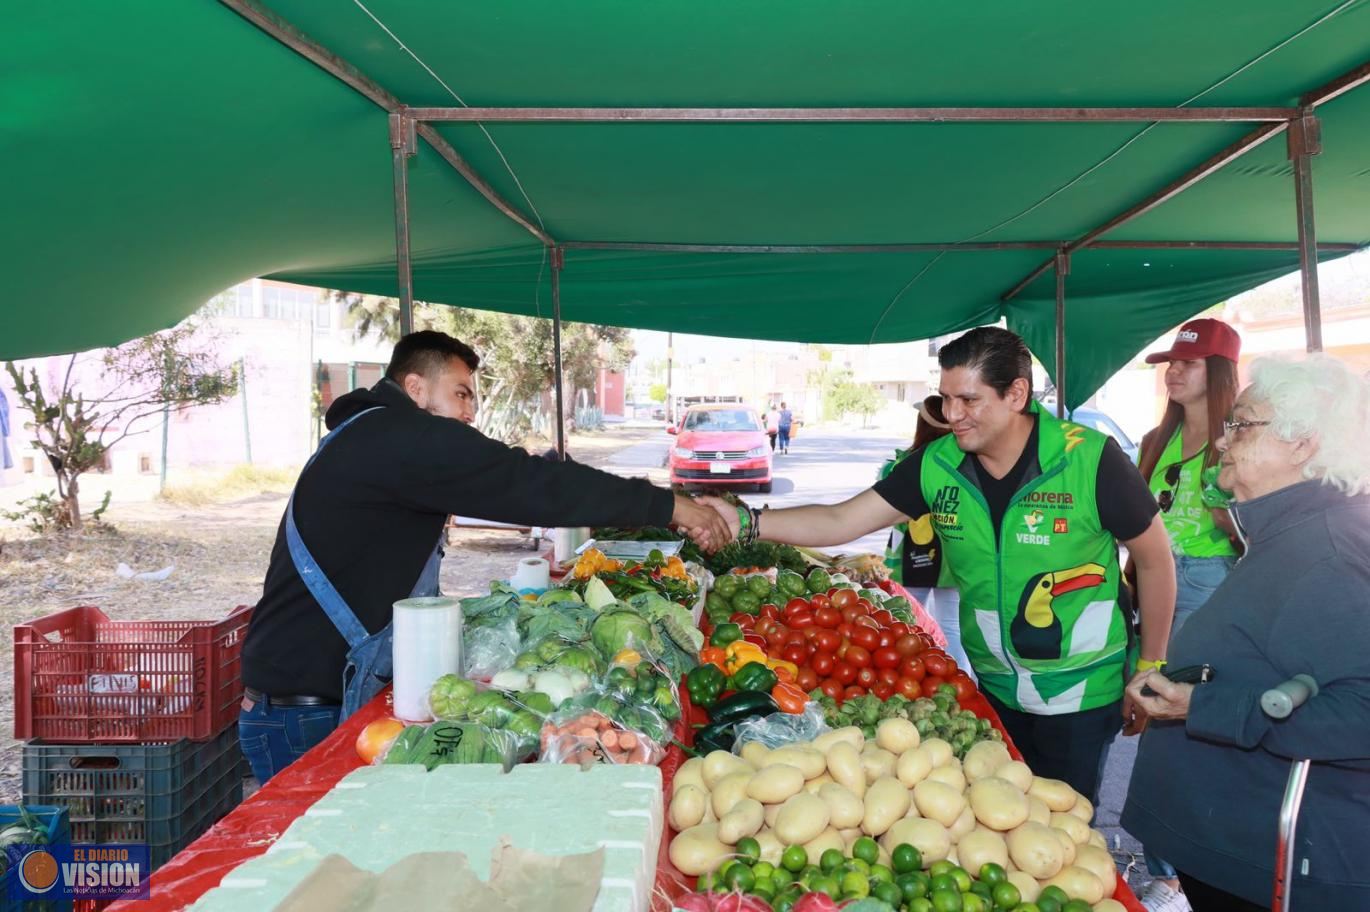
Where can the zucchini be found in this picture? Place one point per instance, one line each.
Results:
(741, 706)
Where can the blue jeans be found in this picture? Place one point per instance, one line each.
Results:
(784, 438)
(1195, 580)
(273, 737)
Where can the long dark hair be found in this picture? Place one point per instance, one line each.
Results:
(1222, 392)
(926, 432)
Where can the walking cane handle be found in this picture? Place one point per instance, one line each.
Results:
(1279, 702)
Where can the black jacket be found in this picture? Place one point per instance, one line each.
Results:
(372, 506)
(1205, 793)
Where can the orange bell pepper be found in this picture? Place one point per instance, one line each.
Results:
(785, 671)
(713, 655)
(789, 697)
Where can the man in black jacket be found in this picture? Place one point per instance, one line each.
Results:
(363, 526)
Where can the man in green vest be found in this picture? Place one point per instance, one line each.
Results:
(1030, 511)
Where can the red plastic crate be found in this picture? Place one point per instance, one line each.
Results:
(81, 678)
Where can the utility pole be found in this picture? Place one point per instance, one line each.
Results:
(670, 400)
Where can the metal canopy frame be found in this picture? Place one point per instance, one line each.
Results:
(408, 124)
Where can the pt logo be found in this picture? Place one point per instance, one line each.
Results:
(1033, 521)
(1060, 526)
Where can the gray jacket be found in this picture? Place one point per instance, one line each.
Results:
(1206, 792)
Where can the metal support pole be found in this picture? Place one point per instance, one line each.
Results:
(242, 390)
(1305, 141)
(1062, 270)
(670, 361)
(402, 145)
(558, 260)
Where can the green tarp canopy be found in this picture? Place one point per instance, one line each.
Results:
(157, 152)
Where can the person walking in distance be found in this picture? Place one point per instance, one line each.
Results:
(786, 424)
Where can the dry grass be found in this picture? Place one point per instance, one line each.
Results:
(239, 482)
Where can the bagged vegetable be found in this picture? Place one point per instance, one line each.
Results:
(589, 736)
(441, 743)
(779, 729)
(488, 650)
(517, 715)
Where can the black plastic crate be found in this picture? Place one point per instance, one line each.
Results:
(54, 820)
(161, 795)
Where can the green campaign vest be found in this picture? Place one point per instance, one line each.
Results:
(1040, 620)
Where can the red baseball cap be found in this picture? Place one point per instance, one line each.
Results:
(1198, 339)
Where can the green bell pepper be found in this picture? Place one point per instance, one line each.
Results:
(704, 684)
(754, 677)
(725, 634)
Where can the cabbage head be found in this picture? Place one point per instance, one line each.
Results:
(616, 630)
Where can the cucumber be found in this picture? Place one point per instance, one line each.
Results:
(403, 750)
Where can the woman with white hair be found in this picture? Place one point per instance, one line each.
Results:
(1211, 768)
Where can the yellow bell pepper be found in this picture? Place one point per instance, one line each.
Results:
(779, 665)
(742, 653)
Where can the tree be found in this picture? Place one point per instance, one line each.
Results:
(841, 395)
(167, 371)
(516, 354)
(657, 392)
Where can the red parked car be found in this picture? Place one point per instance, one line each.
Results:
(721, 445)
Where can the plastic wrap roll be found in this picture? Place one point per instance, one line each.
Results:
(533, 573)
(427, 646)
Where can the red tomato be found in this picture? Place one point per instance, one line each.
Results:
(884, 617)
(909, 645)
(807, 679)
(745, 621)
(888, 676)
(886, 640)
(899, 629)
(844, 672)
(857, 656)
(827, 641)
(935, 663)
(795, 652)
(765, 625)
(908, 688)
(863, 621)
(844, 630)
(823, 663)
(912, 668)
(755, 639)
(827, 617)
(883, 691)
(965, 687)
(796, 605)
(831, 687)
(930, 685)
(843, 599)
(865, 637)
(864, 606)
(775, 640)
(811, 633)
(866, 678)
(886, 658)
(801, 618)
(820, 600)
(853, 692)
(770, 611)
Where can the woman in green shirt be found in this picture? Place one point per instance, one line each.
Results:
(1201, 383)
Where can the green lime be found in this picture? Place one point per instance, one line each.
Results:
(888, 892)
(946, 901)
(739, 877)
(943, 882)
(704, 884)
(794, 859)
(1076, 905)
(723, 869)
(784, 902)
(961, 878)
(782, 878)
(974, 902)
(748, 849)
(921, 904)
(810, 872)
(906, 858)
(1006, 895)
(763, 869)
(941, 867)
(826, 883)
(831, 860)
(1053, 892)
(855, 885)
(1048, 904)
(979, 888)
(913, 884)
(764, 887)
(881, 873)
(1027, 907)
(866, 849)
(858, 866)
(992, 873)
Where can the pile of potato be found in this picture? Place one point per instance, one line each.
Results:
(827, 793)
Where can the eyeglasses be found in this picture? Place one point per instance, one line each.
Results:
(1232, 425)
(1167, 498)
